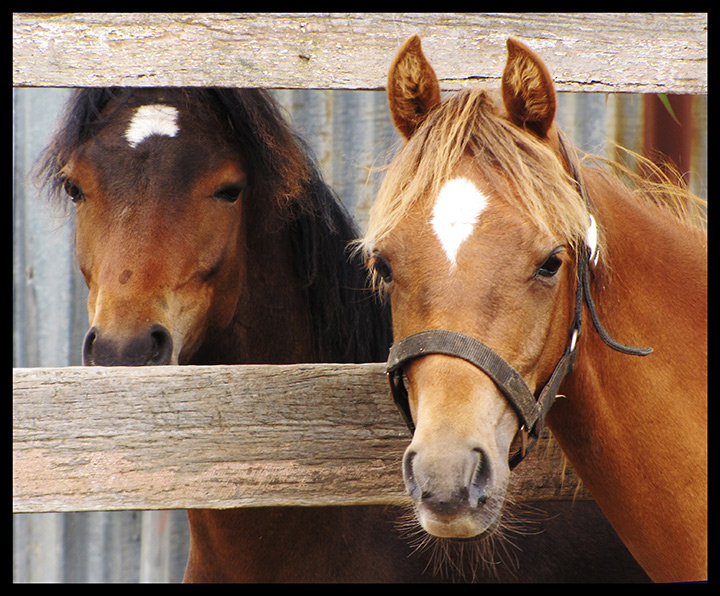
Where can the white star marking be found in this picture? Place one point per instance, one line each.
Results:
(157, 119)
(456, 211)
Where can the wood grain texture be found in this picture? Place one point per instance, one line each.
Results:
(604, 52)
(180, 437)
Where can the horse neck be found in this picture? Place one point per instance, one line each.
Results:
(271, 324)
(273, 318)
(635, 427)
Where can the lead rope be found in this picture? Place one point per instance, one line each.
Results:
(615, 345)
(591, 256)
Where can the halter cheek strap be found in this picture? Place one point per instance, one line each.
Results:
(591, 254)
(530, 409)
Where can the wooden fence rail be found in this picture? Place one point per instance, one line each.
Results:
(221, 436)
(605, 52)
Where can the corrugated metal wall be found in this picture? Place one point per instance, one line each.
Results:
(351, 133)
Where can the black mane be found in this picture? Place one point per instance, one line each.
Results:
(350, 324)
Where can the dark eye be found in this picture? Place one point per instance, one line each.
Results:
(73, 191)
(550, 267)
(380, 268)
(230, 193)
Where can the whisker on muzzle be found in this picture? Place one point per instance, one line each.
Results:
(484, 559)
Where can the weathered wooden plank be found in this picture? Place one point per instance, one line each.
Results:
(605, 52)
(218, 437)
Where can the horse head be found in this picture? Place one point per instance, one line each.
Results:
(475, 231)
(158, 201)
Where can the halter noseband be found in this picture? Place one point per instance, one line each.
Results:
(531, 410)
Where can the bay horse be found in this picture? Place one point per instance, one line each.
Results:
(493, 244)
(206, 235)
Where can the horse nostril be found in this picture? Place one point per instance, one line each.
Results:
(161, 350)
(409, 474)
(481, 480)
(87, 349)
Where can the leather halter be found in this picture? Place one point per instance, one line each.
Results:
(531, 410)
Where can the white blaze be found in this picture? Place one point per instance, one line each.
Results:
(457, 208)
(151, 120)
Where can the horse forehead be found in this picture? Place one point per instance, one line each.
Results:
(455, 214)
(152, 119)
(155, 145)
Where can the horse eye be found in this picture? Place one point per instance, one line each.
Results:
(73, 191)
(550, 267)
(230, 193)
(381, 268)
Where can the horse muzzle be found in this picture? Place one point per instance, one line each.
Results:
(150, 347)
(455, 489)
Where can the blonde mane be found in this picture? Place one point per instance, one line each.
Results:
(468, 123)
(662, 186)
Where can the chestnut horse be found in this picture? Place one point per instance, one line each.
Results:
(493, 245)
(207, 236)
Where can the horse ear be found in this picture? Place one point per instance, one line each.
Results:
(413, 88)
(527, 89)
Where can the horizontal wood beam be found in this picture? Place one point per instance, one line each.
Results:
(602, 52)
(182, 437)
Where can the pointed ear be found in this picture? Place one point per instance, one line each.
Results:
(412, 89)
(527, 89)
